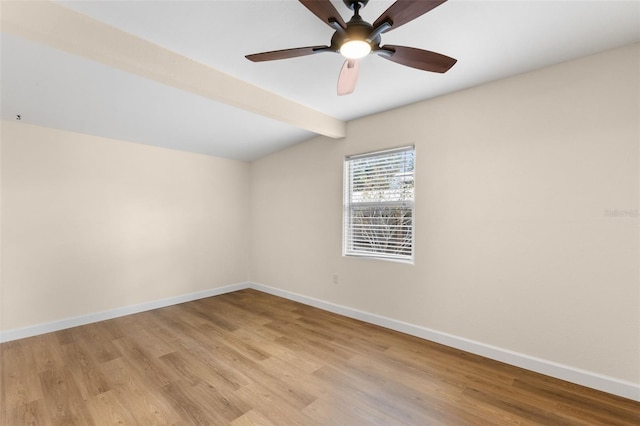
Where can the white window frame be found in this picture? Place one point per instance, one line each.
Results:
(350, 205)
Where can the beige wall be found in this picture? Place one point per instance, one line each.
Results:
(514, 247)
(91, 224)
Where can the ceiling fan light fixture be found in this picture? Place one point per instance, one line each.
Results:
(355, 49)
(358, 38)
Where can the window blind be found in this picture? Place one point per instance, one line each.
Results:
(379, 203)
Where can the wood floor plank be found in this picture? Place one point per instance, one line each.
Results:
(47, 352)
(245, 316)
(226, 404)
(97, 340)
(252, 418)
(373, 393)
(107, 409)
(181, 397)
(244, 347)
(248, 358)
(144, 364)
(20, 380)
(219, 373)
(64, 402)
(88, 377)
(327, 409)
(207, 316)
(31, 414)
(154, 345)
(198, 372)
(144, 401)
(274, 407)
(618, 411)
(258, 374)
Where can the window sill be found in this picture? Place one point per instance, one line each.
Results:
(383, 258)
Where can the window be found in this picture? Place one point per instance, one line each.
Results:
(378, 204)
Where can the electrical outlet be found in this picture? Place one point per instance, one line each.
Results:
(334, 277)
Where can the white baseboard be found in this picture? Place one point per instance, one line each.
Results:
(590, 379)
(570, 374)
(48, 327)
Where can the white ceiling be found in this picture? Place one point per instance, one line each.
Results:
(490, 39)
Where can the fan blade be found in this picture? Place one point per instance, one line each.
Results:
(348, 77)
(403, 11)
(417, 58)
(287, 53)
(324, 10)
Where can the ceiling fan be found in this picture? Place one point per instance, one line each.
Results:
(358, 38)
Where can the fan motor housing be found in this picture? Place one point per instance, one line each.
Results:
(357, 29)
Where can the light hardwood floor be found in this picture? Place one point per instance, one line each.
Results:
(248, 358)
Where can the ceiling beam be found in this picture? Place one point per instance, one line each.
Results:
(64, 29)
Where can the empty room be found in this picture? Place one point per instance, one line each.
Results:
(314, 212)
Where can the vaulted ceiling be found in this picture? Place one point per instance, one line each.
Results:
(173, 73)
